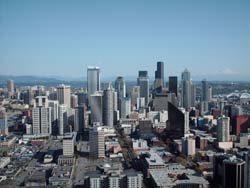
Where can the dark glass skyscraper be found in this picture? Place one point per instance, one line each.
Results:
(143, 82)
(173, 84)
(159, 76)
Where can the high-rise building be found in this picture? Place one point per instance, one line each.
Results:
(63, 119)
(135, 94)
(159, 77)
(93, 79)
(223, 128)
(193, 94)
(204, 90)
(120, 88)
(108, 107)
(186, 89)
(178, 122)
(173, 85)
(10, 85)
(125, 107)
(143, 82)
(73, 101)
(3, 122)
(80, 118)
(247, 168)
(54, 106)
(210, 93)
(96, 142)
(228, 171)
(41, 116)
(96, 106)
(233, 173)
(69, 144)
(63, 95)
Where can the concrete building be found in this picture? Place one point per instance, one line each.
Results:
(63, 95)
(63, 119)
(223, 129)
(69, 144)
(97, 142)
(188, 146)
(41, 117)
(93, 79)
(80, 113)
(73, 101)
(143, 82)
(135, 94)
(108, 107)
(96, 106)
(10, 85)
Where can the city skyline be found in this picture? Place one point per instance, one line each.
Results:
(47, 38)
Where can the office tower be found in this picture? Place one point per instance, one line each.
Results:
(96, 106)
(80, 118)
(233, 173)
(27, 97)
(140, 103)
(41, 116)
(173, 85)
(115, 101)
(3, 122)
(160, 101)
(82, 98)
(10, 85)
(204, 90)
(63, 119)
(228, 171)
(96, 142)
(93, 79)
(246, 157)
(135, 94)
(186, 89)
(210, 93)
(120, 88)
(69, 144)
(188, 146)
(108, 106)
(54, 106)
(178, 122)
(125, 107)
(63, 95)
(73, 101)
(159, 77)
(223, 128)
(143, 82)
(193, 94)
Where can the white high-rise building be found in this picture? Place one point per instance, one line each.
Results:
(125, 107)
(63, 95)
(63, 119)
(41, 116)
(93, 79)
(69, 144)
(223, 128)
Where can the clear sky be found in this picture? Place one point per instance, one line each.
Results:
(56, 37)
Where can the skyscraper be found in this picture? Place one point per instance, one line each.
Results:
(96, 106)
(186, 89)
(93, 79)
(204, 90)
(3, 122)
(10, 85)
(173, 85)
(96, 142)
(80, 118)
(125, 107)
(143, 82)
(135, 94)
(108, 106)
(54, 106)
(223, 129)
(41, 116)
(63, 119)
(63, 95)
(69, 144)
(120, 88)
(159, 76)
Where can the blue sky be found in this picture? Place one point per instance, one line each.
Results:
(55, 37)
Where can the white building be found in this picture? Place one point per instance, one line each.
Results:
(69, 144)
(223, 128)
(63, 119)
(188, 146)
(63, 95)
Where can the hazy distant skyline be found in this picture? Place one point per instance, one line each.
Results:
(56, 37)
